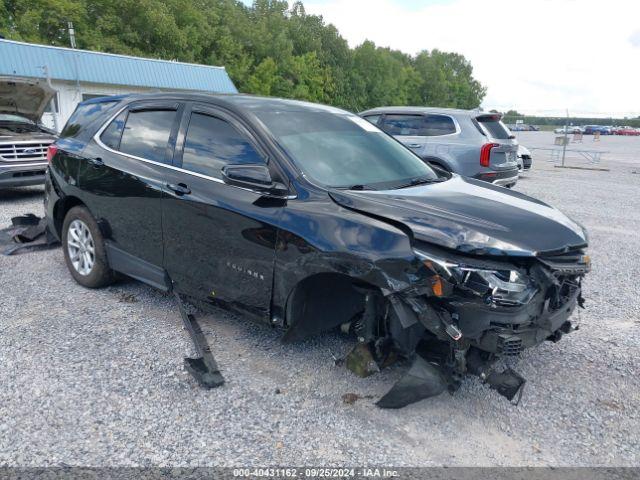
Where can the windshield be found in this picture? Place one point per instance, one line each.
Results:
(6, 117)
(343, 150)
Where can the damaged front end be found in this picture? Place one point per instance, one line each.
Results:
(466, 313)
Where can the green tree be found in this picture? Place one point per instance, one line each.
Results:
(267, 48)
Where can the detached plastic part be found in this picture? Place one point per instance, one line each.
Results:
(204, 368)
(423, 380)
(508, 384)
(26, 232)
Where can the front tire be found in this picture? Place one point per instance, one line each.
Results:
(84, 250)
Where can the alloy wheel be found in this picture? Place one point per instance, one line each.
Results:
(81, 247)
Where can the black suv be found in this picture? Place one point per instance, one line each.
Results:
(309, 217)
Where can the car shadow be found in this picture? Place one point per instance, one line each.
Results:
(21, 193)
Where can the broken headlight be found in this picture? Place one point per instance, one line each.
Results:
(497, 286)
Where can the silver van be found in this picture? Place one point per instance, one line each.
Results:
(467, 142)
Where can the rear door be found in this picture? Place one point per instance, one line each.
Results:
(123, 173)
(219, 239)
(505, 155)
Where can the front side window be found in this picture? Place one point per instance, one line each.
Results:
(342, 150)
(211, 143)
(409, 125)
(146, 134)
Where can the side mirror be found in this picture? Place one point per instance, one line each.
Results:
(253, 177)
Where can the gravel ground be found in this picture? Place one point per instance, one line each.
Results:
(95, 378)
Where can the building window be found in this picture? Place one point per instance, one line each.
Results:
(52, 106)
(89, 96)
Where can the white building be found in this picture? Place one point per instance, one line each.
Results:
(78, 75)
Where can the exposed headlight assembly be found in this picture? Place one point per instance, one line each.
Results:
(508, 287)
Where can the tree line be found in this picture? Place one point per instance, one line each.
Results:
(512, 115)
(268, 48)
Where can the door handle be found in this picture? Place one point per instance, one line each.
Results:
(415, 145)
(96, 162)
(179, 188)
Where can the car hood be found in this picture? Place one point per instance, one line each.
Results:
(24, 96)
(471, 216)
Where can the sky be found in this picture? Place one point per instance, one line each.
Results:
(536, 56)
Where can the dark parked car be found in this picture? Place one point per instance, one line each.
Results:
(467, 142)
(309, 217)
(23, 141)
(591, 129)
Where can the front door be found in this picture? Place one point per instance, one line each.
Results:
(219, 239)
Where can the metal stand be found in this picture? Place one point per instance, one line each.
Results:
(204, 368)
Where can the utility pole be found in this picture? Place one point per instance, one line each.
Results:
(72, 34)
(566, 139)
(54, 100)
(72, 40)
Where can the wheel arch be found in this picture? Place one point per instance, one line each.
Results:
(322, 301)
(61, 208)
(440, 162)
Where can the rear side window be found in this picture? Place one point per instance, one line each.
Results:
(211, 143)
(436, 125)
(403, 124)
(419, 125)
(112, 134)
(146, 134)
(495, 127)
(83, 115)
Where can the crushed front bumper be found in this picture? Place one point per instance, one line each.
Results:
(455, 332)
(510, 339)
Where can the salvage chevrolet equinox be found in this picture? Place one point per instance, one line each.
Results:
(311, 218)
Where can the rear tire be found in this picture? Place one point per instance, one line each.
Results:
(84, 250)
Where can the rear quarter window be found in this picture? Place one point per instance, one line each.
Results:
(83, 116)
(112, 134)
(372, 119)
(437, 125)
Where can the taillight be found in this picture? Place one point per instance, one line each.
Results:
(485, 153)
(51, 152)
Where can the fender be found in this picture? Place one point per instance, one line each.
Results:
(319, 284)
